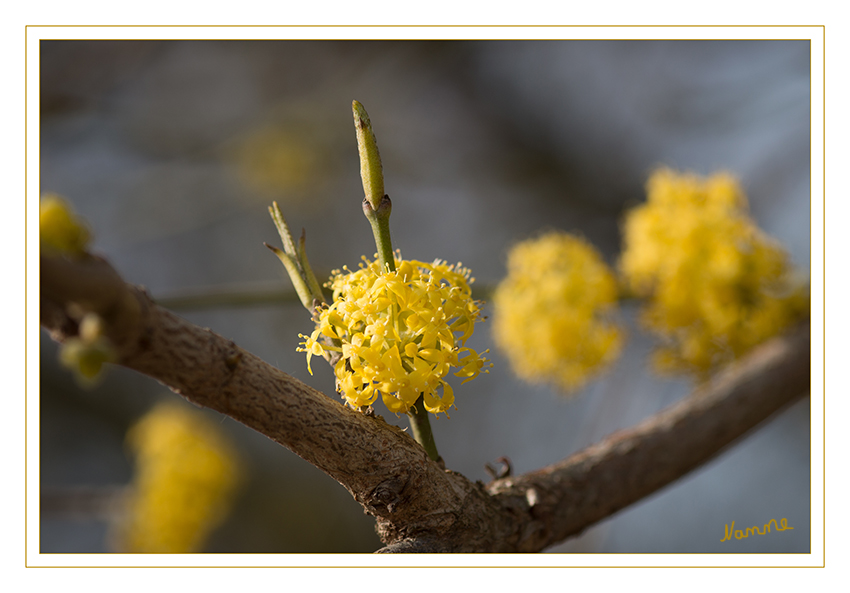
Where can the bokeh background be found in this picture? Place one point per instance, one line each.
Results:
(173, 150)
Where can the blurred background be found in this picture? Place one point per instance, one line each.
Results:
(173, 152)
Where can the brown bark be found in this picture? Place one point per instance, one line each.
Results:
(572, 494)
(418, 506)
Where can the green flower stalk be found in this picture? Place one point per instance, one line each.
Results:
(294, 259)
(395, 329)
(376, 204)
(371, 171)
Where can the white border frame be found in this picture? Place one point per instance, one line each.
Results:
(34, 34)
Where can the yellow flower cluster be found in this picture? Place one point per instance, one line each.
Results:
(60, 231)
(86, 353)
(277, 160)
(551, 312)
(717, 285)
(398, 334)
(184, 481)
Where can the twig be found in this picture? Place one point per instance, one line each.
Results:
(82, 502)
(217, 297)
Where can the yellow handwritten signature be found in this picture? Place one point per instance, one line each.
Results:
(741, 534)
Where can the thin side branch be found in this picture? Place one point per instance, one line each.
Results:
(419, 506)
(83, 502)
(221, 297)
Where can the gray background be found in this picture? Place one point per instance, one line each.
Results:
(483, 144)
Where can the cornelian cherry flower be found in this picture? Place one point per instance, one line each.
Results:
(399, 334)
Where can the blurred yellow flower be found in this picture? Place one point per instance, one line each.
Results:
(279, 160)
(398, 334)
(184, 482)
(717, 285)
(552, 311)
(86, 353)
(59, 228)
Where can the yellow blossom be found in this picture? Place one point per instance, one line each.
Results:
(280, 160)
(184, 481)
(717, 285)
(551, 312)
(86, 353)
(398, 334)
(60, 231)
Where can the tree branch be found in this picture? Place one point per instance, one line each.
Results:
(563, 499)
(380, 465)
(417, 505)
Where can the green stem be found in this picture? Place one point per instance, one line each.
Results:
(371, 171)
(256, 295)
(294, 259)
(380, 221)
(377, 208)
(420, 425)
(376, 204)
(222, 297)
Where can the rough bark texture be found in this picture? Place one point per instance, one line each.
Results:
(565, 498)
(418, 506)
